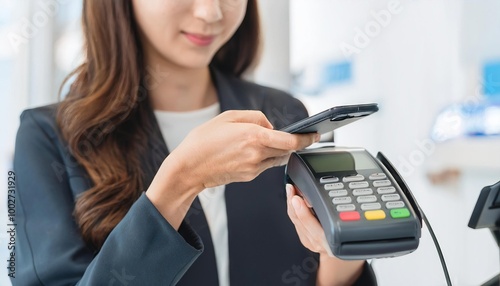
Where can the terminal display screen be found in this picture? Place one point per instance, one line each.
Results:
(340, 161)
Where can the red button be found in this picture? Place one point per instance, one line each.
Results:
(349, 216)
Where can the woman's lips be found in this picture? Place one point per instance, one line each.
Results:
(199, 40)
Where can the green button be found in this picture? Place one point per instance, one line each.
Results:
(400, 213)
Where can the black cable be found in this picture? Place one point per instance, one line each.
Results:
(438, 248)
(414, 203)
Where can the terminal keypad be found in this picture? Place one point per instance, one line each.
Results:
(372, 197)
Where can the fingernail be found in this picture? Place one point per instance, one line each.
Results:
(288, 190)
(296, 204)
(317, 137)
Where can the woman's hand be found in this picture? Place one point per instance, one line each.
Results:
(332, 271)
(235, 146)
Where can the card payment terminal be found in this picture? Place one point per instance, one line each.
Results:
(362, 203)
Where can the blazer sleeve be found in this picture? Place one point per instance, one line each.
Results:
(367, 277)
(143, 249)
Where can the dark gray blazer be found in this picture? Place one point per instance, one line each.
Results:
(144, 249)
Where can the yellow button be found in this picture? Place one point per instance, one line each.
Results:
(374, 215)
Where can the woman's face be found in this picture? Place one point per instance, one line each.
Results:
(187, 33)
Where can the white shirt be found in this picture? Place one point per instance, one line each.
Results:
(174, 127)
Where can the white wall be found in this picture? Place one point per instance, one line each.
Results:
(274, 66)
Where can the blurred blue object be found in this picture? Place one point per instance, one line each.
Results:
(335, 73)
(491, 77)
(467, 120)
(314, 79)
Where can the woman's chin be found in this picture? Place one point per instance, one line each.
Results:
(196, 64)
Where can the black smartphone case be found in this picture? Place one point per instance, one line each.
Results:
(331, 119)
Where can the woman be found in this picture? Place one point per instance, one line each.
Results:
(111, 193)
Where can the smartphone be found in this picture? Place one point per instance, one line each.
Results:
(331, 118)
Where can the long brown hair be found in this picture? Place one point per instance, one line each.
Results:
(103, 116)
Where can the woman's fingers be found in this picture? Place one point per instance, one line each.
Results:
(286, 141)
(307, 226)
(267, 136)
(306, 218)
(299, 228)
(273, 162)
(248, 116)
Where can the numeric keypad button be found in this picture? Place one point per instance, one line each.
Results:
(346, 208)
(334, 186)
(394, 205)
(371, 206)
(381, 183)
(386, 190)
(391, 197)
(341, 200)
(366, 199)
(337, 193)
(362, 192)
(358, 185)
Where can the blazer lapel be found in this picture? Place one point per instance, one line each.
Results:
(226, 93)
(156, 151)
